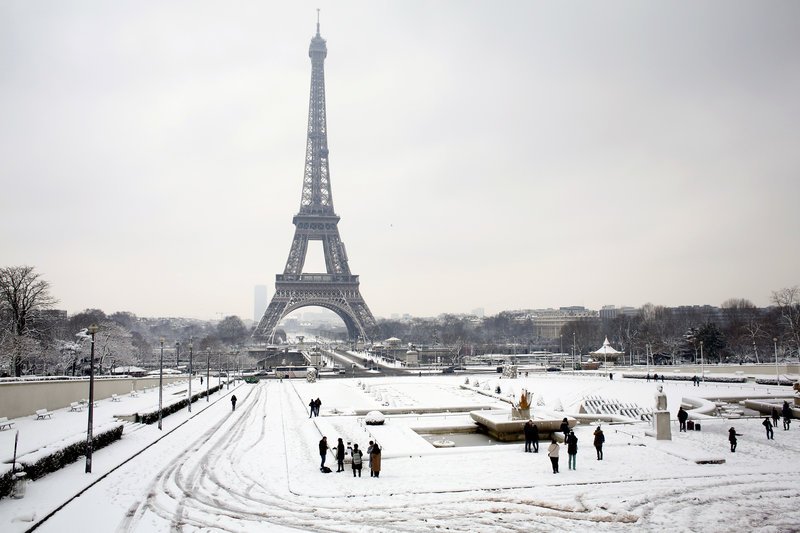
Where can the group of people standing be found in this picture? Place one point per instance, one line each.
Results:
(786, 412)
(356, 456)
(314, 407)
(571, 441)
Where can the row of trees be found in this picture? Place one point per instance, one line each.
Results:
(34, 340)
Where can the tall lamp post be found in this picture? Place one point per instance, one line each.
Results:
(561, 338)
(702, 364)
(89, 431)
(190, 374)
(208, 371)
(160, 381)
(177, 354)
(777, 377)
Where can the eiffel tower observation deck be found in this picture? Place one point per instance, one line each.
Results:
(336, 289)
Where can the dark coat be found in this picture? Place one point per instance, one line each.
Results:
(565, 427)
(599, 438)
(323, 447)
(375, 459)
(767, 424)
(340, 451)
(534, 432)
(732, 435)
(572, 444)
(528, 430)
(682, 415)
(786, 411)
(233, 399)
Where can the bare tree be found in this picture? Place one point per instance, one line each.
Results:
(23, 293)
(788, 302)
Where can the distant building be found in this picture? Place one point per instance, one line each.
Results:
(547, 323)
(260, 302)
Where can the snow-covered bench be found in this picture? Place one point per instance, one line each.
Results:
(4, 423)
(115, 398)
(75, 406)
(41, 414)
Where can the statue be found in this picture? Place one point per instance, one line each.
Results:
(522, 410)
(661, 399)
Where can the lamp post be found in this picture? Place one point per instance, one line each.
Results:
(177, 354)
(561, 351)
(227, 374)
(208, 371)
(219, 373)
(573, 350)
(647, 356)
(777, 377)
(89, 430)
(160, 381)
(702, 364)
(190, 374)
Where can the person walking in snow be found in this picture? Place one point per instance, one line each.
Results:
(775, 417)
(732, 438)
(599, 439)
(564, 428)
(787, 415)
(311, 406)
(682, 416)
(527, 429)
(233, 402)
(340, 455)
(323, 451)
(696, 381)
(552, 453)
(375, 461)
(317, 404)
(768, 425)
(535, 437)
(572, 450)
(357, 455)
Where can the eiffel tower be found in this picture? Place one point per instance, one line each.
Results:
(337, 289)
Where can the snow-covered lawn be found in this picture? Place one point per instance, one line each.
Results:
(257, 469)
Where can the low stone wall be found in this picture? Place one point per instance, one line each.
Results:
(21, 398)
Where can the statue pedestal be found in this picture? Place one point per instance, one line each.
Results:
(520, 414)
(661, 428)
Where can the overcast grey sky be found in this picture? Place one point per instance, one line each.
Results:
(502, 155)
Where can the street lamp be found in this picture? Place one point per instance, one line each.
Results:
(177, 354)
(160, 381)
(208, 371)
(777, 377)
(574, 349)
(89, 431)
(190, 374)
(561, 338)
(702, 364)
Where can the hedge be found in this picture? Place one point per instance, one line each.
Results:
(56, 456)
(684, 377)
(152, 417)
(775, 381)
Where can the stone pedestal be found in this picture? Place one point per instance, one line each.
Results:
(661, 425)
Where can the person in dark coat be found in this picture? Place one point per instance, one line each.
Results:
(311, 406)
(599, 439)
(682, 416)
(317, 404)
(732, 438)
(786, 411)
(552, 453)
(535, 438)
(572, 449)
(648, 377)
(655, 377)
(233, 402)
(340, 455)
(357, 458)
(323, 451)
(696, 381)
(527, 429)
(564, 428)
(768, 425)
(775, 417)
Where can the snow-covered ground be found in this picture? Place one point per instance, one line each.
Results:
(257, 469)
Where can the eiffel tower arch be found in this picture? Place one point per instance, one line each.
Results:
(337, 289)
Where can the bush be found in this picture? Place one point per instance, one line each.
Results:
(152, 417)
(684, 377)
(69, 453)
(6, 482)
(774, 381)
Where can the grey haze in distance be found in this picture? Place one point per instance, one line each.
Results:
(498, 155)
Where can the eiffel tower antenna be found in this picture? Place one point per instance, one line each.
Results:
(337, 289)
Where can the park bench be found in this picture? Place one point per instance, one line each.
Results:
(115, 398)
(41, 414)
(134, 394)
(4, 423)
(75, 406)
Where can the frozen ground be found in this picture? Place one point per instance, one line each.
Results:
(257, 469)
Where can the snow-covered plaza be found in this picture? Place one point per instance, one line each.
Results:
(257, 468)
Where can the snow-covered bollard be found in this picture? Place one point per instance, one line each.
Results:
(466, 381)
(20, 483)
(374, 418)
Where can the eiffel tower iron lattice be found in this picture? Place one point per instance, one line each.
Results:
(338, 289)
